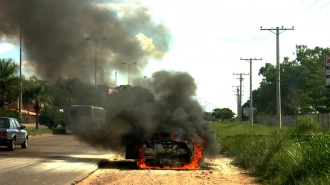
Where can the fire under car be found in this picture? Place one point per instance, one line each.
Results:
(167, 149)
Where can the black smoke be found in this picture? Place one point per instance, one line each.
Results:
(54, 36)
(54, 41)
(135, 113)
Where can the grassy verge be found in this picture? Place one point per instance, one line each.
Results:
(298, 155)
(41, 131)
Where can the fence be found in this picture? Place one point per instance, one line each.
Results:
(323, 119)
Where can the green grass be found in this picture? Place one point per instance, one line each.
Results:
(41, 131)
(295, 155)
(235, 128)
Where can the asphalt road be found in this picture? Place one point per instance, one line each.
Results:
(53, 159)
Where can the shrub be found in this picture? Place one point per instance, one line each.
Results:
(306, 127)
(299, 155)
(10, 113)
(51, 117)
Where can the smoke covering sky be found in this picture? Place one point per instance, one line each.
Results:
(65, 38)
(61, 37)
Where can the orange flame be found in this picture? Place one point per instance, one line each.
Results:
(194, 165)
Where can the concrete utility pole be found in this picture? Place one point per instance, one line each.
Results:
(278, 85)
(251, 99)
(20, 71)
(240, 97)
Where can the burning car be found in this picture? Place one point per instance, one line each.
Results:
(167, 149)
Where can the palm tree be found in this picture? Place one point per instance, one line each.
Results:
(9, 81)
(40, 94)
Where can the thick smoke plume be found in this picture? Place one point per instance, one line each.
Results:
(135, 114)
(54, 36)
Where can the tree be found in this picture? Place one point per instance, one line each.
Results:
(9, 81)
(302, 84)
(223, 114)
(40, 93)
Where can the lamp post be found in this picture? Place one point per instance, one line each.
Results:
(129, 70)
(149, 80)
(95, 41)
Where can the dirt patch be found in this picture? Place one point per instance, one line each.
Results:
(216, 171)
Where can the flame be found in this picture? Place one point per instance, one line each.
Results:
(194, 165)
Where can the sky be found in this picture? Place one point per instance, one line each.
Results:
(209, 38)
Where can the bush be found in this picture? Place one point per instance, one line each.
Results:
(10, 113)
(299, 155)
(51, 118)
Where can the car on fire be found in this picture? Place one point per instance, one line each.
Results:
(168, 149)
(12, 133)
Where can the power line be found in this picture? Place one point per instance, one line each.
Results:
(312, 4)
(323, 7)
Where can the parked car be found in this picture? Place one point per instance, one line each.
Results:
(168, 148)
(12, 133)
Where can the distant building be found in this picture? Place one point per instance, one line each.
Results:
(246, 111)
(28, 112)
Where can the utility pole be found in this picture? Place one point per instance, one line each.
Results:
(20, 71)
(240, 97)
(115, 76)
(278, 85)
(95, 52)
(251, 99)
(129, 70)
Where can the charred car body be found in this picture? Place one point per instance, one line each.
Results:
(168, 148)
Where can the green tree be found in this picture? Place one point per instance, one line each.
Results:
(52, 117)
(264, 98)
(302, 84)
(9, 81)
(223, 114)
(40, 93)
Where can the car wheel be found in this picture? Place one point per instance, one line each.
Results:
(11, 147)
(25, 144)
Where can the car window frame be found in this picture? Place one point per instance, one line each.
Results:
(11, 123)
(17, 123)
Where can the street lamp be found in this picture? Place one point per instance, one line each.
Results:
(129, 70)
(95, 41)
(149, 80)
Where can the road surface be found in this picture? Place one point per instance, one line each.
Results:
(51, 159)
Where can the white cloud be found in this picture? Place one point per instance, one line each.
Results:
(5, 47)
(148, 46)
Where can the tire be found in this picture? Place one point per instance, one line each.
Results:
(25, 144)
(11, 147)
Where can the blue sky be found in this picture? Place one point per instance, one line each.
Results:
(209, 37)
